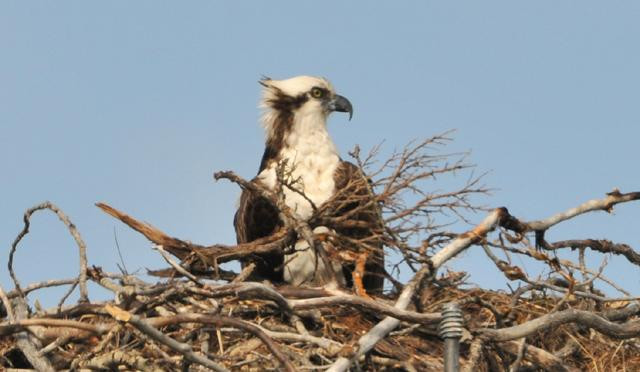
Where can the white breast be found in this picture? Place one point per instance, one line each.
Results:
(312, 159)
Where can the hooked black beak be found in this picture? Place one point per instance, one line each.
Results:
(340, 104)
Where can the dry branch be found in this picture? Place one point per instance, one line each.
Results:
(614, 197)
(82, 248)
(584, 318)
(539, 357)
(212, 255)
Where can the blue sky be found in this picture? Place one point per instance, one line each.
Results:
(137, 104)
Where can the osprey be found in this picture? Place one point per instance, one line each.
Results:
(299, 147)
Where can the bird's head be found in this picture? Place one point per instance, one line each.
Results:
(300, 96)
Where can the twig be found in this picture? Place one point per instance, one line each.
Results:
(44, 284)
(58, 342)
(246, 272)
(175, 265)
(66, 295)
(333, 347)
(522, 347)
(124, 266)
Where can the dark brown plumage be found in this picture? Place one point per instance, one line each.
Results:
(256, 218)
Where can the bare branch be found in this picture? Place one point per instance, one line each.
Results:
(602, 246)
(585, 318)
(82, 248)
(606, 204)
(175, 265)
(538, 356)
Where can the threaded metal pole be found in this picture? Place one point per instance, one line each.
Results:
(450, 329)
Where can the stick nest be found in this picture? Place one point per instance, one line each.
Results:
(200, 317)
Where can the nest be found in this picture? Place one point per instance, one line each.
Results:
(249, 326)
(200, 317)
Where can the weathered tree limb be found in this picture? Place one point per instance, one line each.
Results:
(23, 325)
(64, 297)
(598, 245)
(606, 204)
(177, 247)
(540, 357)
(464, 241)
(82, 247)
(633, 308)
(213, 254)
(584, 318)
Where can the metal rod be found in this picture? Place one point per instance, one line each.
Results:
(451, 354)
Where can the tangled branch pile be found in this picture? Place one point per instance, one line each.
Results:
(202, 317)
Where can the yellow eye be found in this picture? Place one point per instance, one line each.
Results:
(317, 93)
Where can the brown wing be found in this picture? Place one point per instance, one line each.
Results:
(355, 192)
(256, 218)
